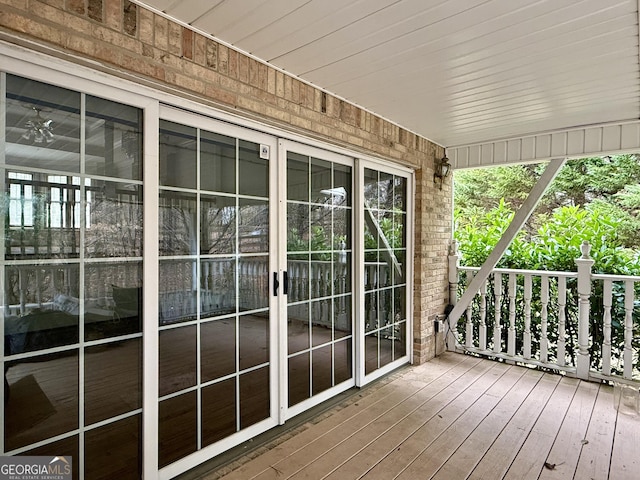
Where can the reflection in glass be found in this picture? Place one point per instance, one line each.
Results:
(44, 215)
(342, 360)
(112, 299)
(177, 359)
(254, 396)
(112, 368)
(67, 447)
(342, 183)
(217, 287)
(371, 311)
(253, 336)
(399, 344)
(341, 273)
(42, 307)
(298, 377)
(178, 235)
(321, 369)
(41, 396)
(298, 273)
(177, 155)
(218, 348)
(217, 224)
(400, 303)
(253, 282)
(321, 321)
(387, 340)
(370, 188)
(253, 171)
(399, 193)
(217, 162)
(297, 177)
(218, 411)
(342, 324)
(114, 139)
(385, 191)
(42, 118)
(298, 327)
(253, 226)
(177, 425)
(370, 353)
(398, 271)
(114, 225)
(321, 181)
(113, 450)
(384, 274)
(297, 227)
(178, 290)
(341, 229)
(321, 232)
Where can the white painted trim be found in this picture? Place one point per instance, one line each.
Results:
(150, 274)
(285, 146)
(388, 368)
(588, 141)
(197, 458)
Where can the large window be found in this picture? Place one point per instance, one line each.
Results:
(385, 268)
(72, 278)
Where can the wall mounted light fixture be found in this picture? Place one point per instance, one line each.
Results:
(442, 170)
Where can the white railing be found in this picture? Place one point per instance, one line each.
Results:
(577, 322)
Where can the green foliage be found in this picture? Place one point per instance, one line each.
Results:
(595, 200)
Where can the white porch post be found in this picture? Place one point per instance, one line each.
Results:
(454, 263)
(584, 264)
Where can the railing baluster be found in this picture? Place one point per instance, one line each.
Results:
(511, 344)
(628, 328)
(562, 319)
(482, 330)
(497, 329)
(606, 328)
(526, 336)
(469, 325)
(544, 317)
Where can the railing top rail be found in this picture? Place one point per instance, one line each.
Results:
(548, 273)
(615, 278)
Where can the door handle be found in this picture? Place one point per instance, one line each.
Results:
(276, 284)
(285, 278)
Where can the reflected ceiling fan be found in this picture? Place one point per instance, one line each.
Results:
(38, 130)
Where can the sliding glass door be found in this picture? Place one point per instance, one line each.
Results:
(319, 320)
(216, 323)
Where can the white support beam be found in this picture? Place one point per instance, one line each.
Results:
(591, 141)
(519, 219)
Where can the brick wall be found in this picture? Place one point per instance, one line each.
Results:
(121, 35)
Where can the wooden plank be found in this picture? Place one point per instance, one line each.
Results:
(532, 456)
(566, 449)
(362, 411)
(498, 458)
(434, 455)
(595, 456)
(322, 455)
(625, 462)
(424, 421)
(470, 453)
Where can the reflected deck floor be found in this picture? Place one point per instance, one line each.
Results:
(457, 417)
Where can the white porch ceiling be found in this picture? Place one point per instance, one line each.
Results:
(458, 72)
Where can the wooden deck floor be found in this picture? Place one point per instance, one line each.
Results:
(459, 417)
